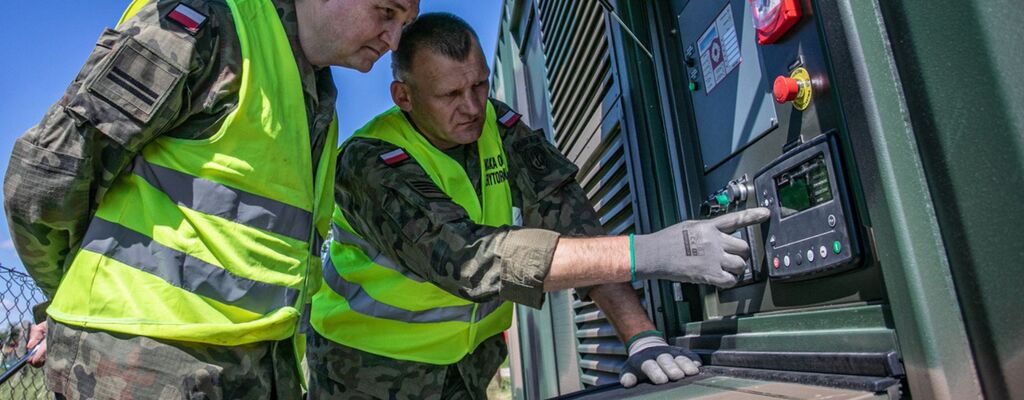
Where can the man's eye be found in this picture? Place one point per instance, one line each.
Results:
(387, 13)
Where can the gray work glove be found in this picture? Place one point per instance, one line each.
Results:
(701, 251)
(652, 359)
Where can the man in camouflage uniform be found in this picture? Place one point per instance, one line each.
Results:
(61, 169)
(441, 81)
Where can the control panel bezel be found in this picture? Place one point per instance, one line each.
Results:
(806, 238)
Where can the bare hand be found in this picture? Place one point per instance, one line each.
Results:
(37, 335)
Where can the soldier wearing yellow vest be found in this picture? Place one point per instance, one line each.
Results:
(450, 209)
(173, 202)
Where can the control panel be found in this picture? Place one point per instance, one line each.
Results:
(810, 232)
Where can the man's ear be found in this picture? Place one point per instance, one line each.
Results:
(400, 95)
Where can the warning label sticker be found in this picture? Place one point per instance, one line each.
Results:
(719, 50)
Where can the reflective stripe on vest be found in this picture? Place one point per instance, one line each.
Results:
(344, 237)
(212, 240)
(184, 271)
(235, 205)
(364, 304)
(410, 318)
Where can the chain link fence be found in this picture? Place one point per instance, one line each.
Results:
(18, 293)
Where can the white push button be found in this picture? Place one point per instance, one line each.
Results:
(810, 255)
(785, 260)
(823, 252)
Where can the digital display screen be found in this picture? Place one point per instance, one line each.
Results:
(804, 186)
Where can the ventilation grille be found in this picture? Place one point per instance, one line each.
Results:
(587, 119)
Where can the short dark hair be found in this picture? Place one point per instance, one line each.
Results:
(440, 32)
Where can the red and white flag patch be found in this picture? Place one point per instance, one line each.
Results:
(394, 157)
(187, 17)
(510, 118)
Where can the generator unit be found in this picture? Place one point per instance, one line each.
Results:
(886, 138)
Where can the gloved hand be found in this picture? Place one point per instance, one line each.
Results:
(700, 251)
(651, 358)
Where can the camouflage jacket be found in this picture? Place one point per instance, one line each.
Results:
(400, 210)
(61, 168)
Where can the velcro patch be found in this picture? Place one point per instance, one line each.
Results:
(509, 119)
(187, 17)
(427, 189)
(137, 80)
(528, 141)
(394, 157)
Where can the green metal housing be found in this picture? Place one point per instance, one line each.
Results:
(927, 102)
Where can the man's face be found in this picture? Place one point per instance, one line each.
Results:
(352, 33)
(447, 99)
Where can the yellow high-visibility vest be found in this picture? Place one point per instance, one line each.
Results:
(375, 305)
(212, 240)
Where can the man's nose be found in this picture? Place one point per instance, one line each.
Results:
(470, 105)
(391, 36)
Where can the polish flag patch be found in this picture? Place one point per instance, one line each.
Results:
(394, 157)
(187, 17)
(510, 118)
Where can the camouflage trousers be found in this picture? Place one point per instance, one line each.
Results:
(90, 364)
(340, 372)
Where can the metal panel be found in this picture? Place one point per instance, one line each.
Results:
(736, 108)
(586, 117)
(960, 64)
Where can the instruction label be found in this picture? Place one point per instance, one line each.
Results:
(719, 50)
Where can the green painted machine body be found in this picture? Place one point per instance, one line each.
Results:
(921, 108)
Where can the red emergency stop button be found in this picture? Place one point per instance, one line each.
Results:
(794, 88)
(775, 262)
(786, 89)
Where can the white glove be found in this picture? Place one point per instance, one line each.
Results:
(653, 359)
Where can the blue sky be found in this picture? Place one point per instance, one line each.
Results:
(44, 47)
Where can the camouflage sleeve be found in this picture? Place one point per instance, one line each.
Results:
(130, 90)
(552, 197)
(401, 211)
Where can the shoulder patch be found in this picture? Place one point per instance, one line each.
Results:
(187, 17)
(394, 157)
(509, 119)
(136, 80)
(427, 189)
(526, 142)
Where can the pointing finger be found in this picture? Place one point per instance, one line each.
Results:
(729, 223)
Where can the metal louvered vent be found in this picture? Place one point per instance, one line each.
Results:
(586, 113)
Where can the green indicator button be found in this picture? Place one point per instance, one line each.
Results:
(723, 199)
(837, 247)
(693, 86)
